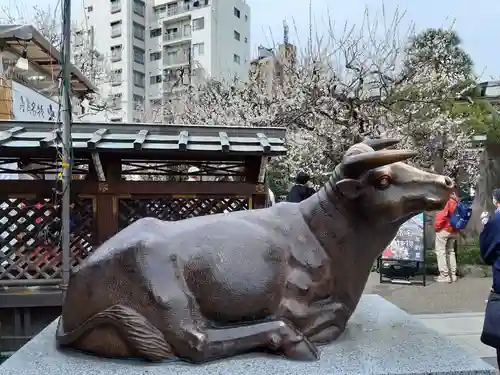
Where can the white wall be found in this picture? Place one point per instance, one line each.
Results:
(225, 45)
(217, 36)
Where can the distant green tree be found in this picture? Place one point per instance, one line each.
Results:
(450, 77)
(441, 47)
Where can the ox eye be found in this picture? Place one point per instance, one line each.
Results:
(383, 182)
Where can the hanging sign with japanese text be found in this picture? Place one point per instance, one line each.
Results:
(29, 105)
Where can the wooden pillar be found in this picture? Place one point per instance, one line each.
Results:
(252, 174)
(107, 203)
(5, 98)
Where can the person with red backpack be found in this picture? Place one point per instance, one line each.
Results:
(446, 237)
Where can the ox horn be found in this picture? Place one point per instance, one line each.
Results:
(379, 144)
(355, 165)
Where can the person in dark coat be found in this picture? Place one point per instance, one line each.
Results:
(489, 246)
(300, 191)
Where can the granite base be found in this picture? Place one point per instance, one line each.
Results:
(380, 339)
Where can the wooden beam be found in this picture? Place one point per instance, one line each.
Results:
(160, 188)
(7, 135)
(264, 142)
(49, 140)
(45, 188)
(98, 167)
(183, 140)
(262, 171)
(96, 138)
(141, 138)
(224, 141)
(13, 188)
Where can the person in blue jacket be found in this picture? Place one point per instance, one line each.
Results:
(489, 241)
(489, 245)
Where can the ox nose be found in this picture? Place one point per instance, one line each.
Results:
(448, 182)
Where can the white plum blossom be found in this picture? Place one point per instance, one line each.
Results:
(331, 98)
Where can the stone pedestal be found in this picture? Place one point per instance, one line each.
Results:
(380, 339)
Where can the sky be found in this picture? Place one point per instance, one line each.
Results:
(475, 22)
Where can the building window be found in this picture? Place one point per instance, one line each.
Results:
(236, 59)
(139, 79)
(198, 49)
(198, 23)
(155, 33)
(116, 119)
(116, 101)
(159, 11)
(138, 101)
(154, 56)
(155, 101)
(246, 40)
(79, 39)
(90, 8)
(237, 35)
(116, 29)
(139, 55)
(137, 120)
(153, 80)
(116, 77)
(246, 18)
(139, 31)
(172, 33)
(187, 30)
(172, 9)
(236, 12)
(139, 7)
(116, 53)
(116, 6)
(170, 75)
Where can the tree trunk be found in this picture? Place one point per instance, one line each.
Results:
(489, 179)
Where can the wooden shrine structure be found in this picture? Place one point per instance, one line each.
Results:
(122, 172)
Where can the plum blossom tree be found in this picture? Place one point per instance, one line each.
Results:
(341, 89)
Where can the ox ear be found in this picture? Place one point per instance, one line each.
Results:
(349, 188)
(355, 165)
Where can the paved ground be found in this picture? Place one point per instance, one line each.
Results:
(454, 310)
(466, 295)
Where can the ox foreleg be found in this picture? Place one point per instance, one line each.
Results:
(328, 324)
(276, 336)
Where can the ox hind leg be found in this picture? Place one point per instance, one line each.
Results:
(118, 331)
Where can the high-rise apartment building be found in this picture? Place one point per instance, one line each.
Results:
(154, 47)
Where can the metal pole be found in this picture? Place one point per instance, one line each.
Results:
(67, 146)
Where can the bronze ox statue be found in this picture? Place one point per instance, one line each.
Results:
(283, 279)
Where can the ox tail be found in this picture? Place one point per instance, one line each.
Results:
(142, 339)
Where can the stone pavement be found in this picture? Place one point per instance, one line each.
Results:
(465, 296)
(454, 310)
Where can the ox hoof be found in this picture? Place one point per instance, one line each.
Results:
(303, 350)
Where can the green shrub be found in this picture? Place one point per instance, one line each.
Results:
(465, 255)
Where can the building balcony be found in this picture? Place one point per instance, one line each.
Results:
(173, 13)
(178, 36)
(181, 59)
(179, 11)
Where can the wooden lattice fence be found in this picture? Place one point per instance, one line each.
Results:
(30, 229)
(30, 237)
(173, 208)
